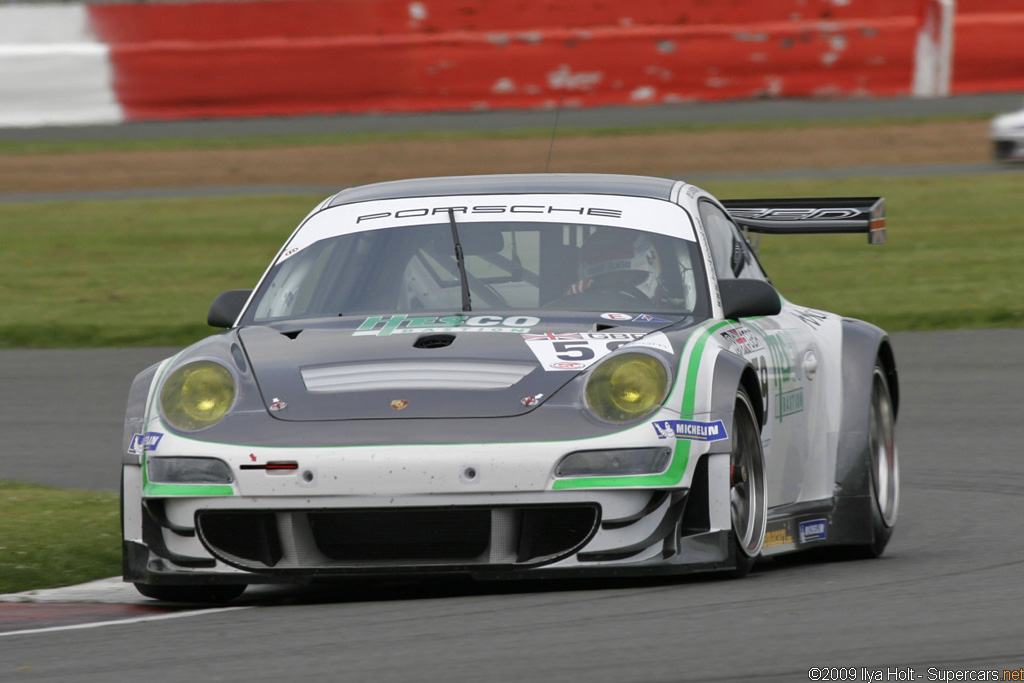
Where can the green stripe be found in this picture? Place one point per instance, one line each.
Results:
(674, 474)
(150, 489)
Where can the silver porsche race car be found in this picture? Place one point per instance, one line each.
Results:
(514, 376)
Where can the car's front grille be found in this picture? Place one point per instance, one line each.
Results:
(397, 538)
(401, 536)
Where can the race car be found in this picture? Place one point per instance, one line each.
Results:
(1007, 134)
(514, 376)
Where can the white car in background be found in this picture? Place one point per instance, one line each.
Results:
(1007, 133)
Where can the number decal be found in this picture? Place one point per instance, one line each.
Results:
(579, 350)
(573, 350)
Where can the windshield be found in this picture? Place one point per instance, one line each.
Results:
(509, 266)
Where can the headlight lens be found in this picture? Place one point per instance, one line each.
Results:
(188, 470)
(197, 395)
(621, 462)
(626, 387)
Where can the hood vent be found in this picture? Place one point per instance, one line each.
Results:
(463, 375)
(434, 341)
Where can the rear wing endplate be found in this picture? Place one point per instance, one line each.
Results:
(833, 215)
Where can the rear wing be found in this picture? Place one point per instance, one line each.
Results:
(807, 216)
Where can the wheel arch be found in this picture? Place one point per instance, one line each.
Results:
(863, 344)
(731, 373)
(888, 361)
(135, 413)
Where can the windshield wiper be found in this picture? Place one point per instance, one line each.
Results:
(461, 261)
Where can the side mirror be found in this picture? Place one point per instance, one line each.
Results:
(748, 298)
(225, 308)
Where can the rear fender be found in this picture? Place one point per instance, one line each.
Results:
(863, 344)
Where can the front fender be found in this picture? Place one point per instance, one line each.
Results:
(135, 415)
(731, 373)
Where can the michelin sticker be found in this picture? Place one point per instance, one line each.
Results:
(579, 350)
(144, 442)
(690, 429)
(813, 530)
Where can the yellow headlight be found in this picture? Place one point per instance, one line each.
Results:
(197, 395)
(626, 387)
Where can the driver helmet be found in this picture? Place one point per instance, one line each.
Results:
(619, 260)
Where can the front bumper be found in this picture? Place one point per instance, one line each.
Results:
(486, 534)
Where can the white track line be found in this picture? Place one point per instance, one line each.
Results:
(121, 622)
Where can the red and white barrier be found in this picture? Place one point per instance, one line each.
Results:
(289, 57)
(53, 69)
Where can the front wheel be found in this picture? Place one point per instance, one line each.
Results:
(200, 594)
(748, 487)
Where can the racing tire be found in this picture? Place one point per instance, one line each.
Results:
(883, 467)
(748, 486)
(197, 594)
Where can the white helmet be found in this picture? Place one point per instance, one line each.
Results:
(620, 260)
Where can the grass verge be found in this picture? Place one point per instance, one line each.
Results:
(55, 537)
(143, 272)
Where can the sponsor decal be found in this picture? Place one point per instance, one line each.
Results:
(399, 323)
(777, 534)
(789, 403)
(645, 318)
(655, 340)
(796, 214)
(813, 530)
(551, 336)
(142, 443)
(399, 404)
(493, 209)
(744, 339)
(580, 350)
(530, 401)
(690, 429)
(709, 263)
(277, 405)
(617, 316)
(811, 317)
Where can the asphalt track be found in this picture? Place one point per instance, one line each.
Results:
(947, 594)
(946, 597)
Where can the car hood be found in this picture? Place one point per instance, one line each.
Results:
(427, 367)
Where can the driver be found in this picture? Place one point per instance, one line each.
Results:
(619, 261)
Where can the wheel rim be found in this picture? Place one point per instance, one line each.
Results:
(748, 488)
(885, 468)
